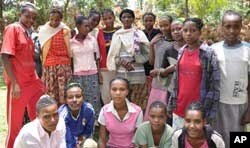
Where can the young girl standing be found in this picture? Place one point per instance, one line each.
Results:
(159, 45)
(155, 132)
(54, 37)
(197, 75)
(108, 18)
(84, 47)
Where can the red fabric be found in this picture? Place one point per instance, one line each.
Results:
(17, 44)
(102, 49)
(58, 53)
(190, 73)
(21, 48)
(188, 145)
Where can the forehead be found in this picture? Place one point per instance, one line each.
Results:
(95, 16)
(74, 89)
(51, 109)
(164, 21)
(193, 114)
(118, 82)
(176, 24)
(232, 19)
(148, 16)
(157, 110)
(29, 10)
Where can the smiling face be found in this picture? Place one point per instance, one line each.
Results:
(74, 98)
(191, 34)
(194, 124)
(165, 26)
(157, 118)
(28, 17)
(94, 20)
(127, 20)
(49, 117)
(231, 27)
(176, 31)
(119, 91)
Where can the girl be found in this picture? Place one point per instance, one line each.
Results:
(54, 37)
(108, 18)
(197, 64)
(84, 46)
(155, 132)
(158, 47)
(24, 87)
(195, 132)
(119, 118)
(78, 115)
(127, 43)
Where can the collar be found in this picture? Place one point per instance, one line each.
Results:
(86, 38)
(203, 47)
(112, 109)
(42, 132)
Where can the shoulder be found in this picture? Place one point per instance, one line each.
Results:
(217, 138)
(217, 45)
(143, 126)
(176, 134)
(63, 111)
(14, 27)
(87, 107)
(136, 107)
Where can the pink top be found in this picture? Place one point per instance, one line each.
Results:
(190, 73)
(83, 55)
(188, 145)
(121, 132)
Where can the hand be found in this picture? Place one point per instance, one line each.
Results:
(15, 90)
(156, 39)
(154, 72)
(246, 117)
(127, 65)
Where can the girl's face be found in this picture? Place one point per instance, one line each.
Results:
(165, 26)
(94, 20)
(74, 98)
(194, 124)
(157, 118)
(84, 28)
(191, 34)
(176, 31)
(54, 19)
(28, 17)
(148, 22)
(108, 20)
(127, 20)
(118, 91)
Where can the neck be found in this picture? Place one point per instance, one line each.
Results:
(120, 106)
(25, 28)
(194, 46)
(179, 43)
(159, 131)
(109, 28)
(81, 36)
(148, 30)
(75, 113)
(232, 43)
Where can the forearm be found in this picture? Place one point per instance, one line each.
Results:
(167, 71)
(8, 67)
(151, 55)
(102, 137)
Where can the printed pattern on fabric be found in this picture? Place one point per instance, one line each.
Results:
(55, 78)
(139, 94)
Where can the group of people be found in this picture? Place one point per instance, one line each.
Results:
(141, 88)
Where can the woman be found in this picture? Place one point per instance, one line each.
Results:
(197, 63)
(195, 132)
(119, 118)
(127, 44)
(155, 132)
(54, 37)
(77, 114)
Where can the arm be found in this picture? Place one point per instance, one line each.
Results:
(113, 55)
(102, 136)
(151, 51)
(246, 116)
(165, 72)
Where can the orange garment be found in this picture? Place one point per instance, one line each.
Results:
(58, 53)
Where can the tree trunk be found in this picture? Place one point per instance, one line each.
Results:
(65, 9)
(186, 8)
(1, 17)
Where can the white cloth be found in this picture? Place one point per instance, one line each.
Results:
(46, 32)
(112, 109)
(32, 135)
(234, 63)
(123, 39)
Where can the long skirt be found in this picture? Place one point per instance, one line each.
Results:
(155, 95)
(55, 78)
(91, 88)
(139, 94)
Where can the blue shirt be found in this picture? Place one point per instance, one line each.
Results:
(81, 126)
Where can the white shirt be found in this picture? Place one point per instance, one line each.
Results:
(32, 135)
(112, 109)
(234, 63)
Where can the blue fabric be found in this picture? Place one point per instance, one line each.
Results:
(81, 126)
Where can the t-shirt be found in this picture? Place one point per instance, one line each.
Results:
(234, 63)
(189, 82)
(18, 44)
(144, 136)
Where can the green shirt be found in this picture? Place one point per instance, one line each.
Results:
(144, 136)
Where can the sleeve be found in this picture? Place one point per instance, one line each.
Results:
(165, 62)
(9, 41)
(62, 137)
(140, 137)
(19, 142)
(70, 140)
(139, 119)
(67, 40)
(174, 141)
(113, 52)
(101, 118)
(96, 48)
(90, 124)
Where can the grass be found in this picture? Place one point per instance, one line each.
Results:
(3, 124)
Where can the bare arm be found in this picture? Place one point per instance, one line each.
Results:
(16, 91)
(102, 136)
(246, 116)
(167, 71)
